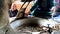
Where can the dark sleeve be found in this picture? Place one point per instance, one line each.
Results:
(12, 13)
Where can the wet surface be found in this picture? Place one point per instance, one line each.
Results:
(8, 30)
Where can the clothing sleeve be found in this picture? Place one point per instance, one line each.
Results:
(12, 13)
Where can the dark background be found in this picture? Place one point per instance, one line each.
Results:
(45, 6)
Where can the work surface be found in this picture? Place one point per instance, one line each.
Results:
(9, 30)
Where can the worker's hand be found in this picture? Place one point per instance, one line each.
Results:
(53, 11)
(17, 5)
(27, 11)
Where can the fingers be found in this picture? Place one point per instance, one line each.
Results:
(16, 5)
(29, 7)
(19, 5)
(25, 5)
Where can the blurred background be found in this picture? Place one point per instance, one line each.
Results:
(41, 9)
